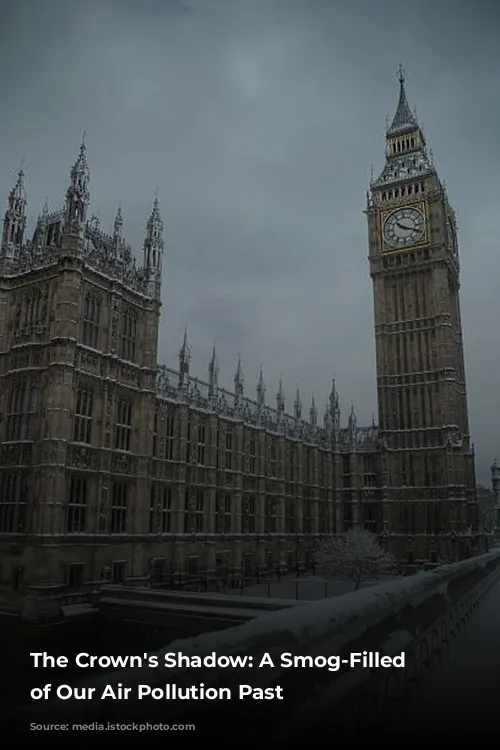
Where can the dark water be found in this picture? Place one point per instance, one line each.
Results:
(93, 636)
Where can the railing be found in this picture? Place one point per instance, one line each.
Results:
(417, 615)
(285, 587)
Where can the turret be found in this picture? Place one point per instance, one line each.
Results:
(352, 425)
(77, 195)
(238, 383)
(213, 376)
(153, 252)
(261, 390)
(313, 413)
(280, 398)
(184, 361)
(118, 227)
(297, 406)
(334, 408)
(14, 223)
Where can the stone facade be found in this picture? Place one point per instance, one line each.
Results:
(113, 465)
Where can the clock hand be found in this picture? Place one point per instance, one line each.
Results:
(404, 226)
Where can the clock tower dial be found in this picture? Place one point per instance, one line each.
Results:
(404, 227)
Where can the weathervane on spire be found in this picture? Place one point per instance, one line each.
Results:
(401, 74)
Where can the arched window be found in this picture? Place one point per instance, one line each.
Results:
(84, 408)
(32, 309)
(91, 319)
(22, 413)
(123, 427)
(13, 503)
(129, 335)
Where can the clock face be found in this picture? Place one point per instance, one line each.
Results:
(404, 227)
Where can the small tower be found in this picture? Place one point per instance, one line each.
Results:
(313, 413)
(118, 227)
(40, 236)
(184, 361)
(14, 223)
(153, 252)
(334, 408)
(238, 383)
(280, 398)
(297, 406)
(213, 376)
(352, 425)
(77, 195)
(261, 390)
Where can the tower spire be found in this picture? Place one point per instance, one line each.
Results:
(238, 382)
(297, 406)
(153, 250)
(14, 223)
(213, 374)
(77, 194)
(261, 389)
(313, 413)
(184, 361)
(404, 119)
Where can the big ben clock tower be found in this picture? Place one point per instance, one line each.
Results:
(429, 495)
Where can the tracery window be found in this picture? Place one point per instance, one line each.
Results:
(129, 335)
(83, 414)
(76, 508)
(123, 428)
(22, 412)
(32, 309)
(91, 319)
(119, 503)
(13, 503)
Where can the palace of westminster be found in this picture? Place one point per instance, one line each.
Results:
(111, 464)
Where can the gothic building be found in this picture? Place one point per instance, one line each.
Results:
(109, 461)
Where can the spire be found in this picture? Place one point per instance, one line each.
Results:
(297, 406)
(238, 382)
(405, 152)
(118, 225)
(153, 249)
(261, 389)
(14, 223)
(184, 360)
(352, 423)
(334, 408)
(213, 375)
(313, 413)
(404, 119)
(280, 398)
(77, 194)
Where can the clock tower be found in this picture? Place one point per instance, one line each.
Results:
(429, 496)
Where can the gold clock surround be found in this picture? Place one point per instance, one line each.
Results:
(418, 216)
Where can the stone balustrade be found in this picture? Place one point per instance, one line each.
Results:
(417, 615)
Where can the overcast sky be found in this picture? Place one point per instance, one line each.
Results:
(258, 121)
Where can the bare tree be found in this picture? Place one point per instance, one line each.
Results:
(355, 556)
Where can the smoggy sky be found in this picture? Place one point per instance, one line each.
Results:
(258, 121)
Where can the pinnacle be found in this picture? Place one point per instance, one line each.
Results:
(404, 117)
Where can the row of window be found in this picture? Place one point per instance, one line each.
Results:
(92, 324)
(31, 311)
(14, 498)
(403, 191)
